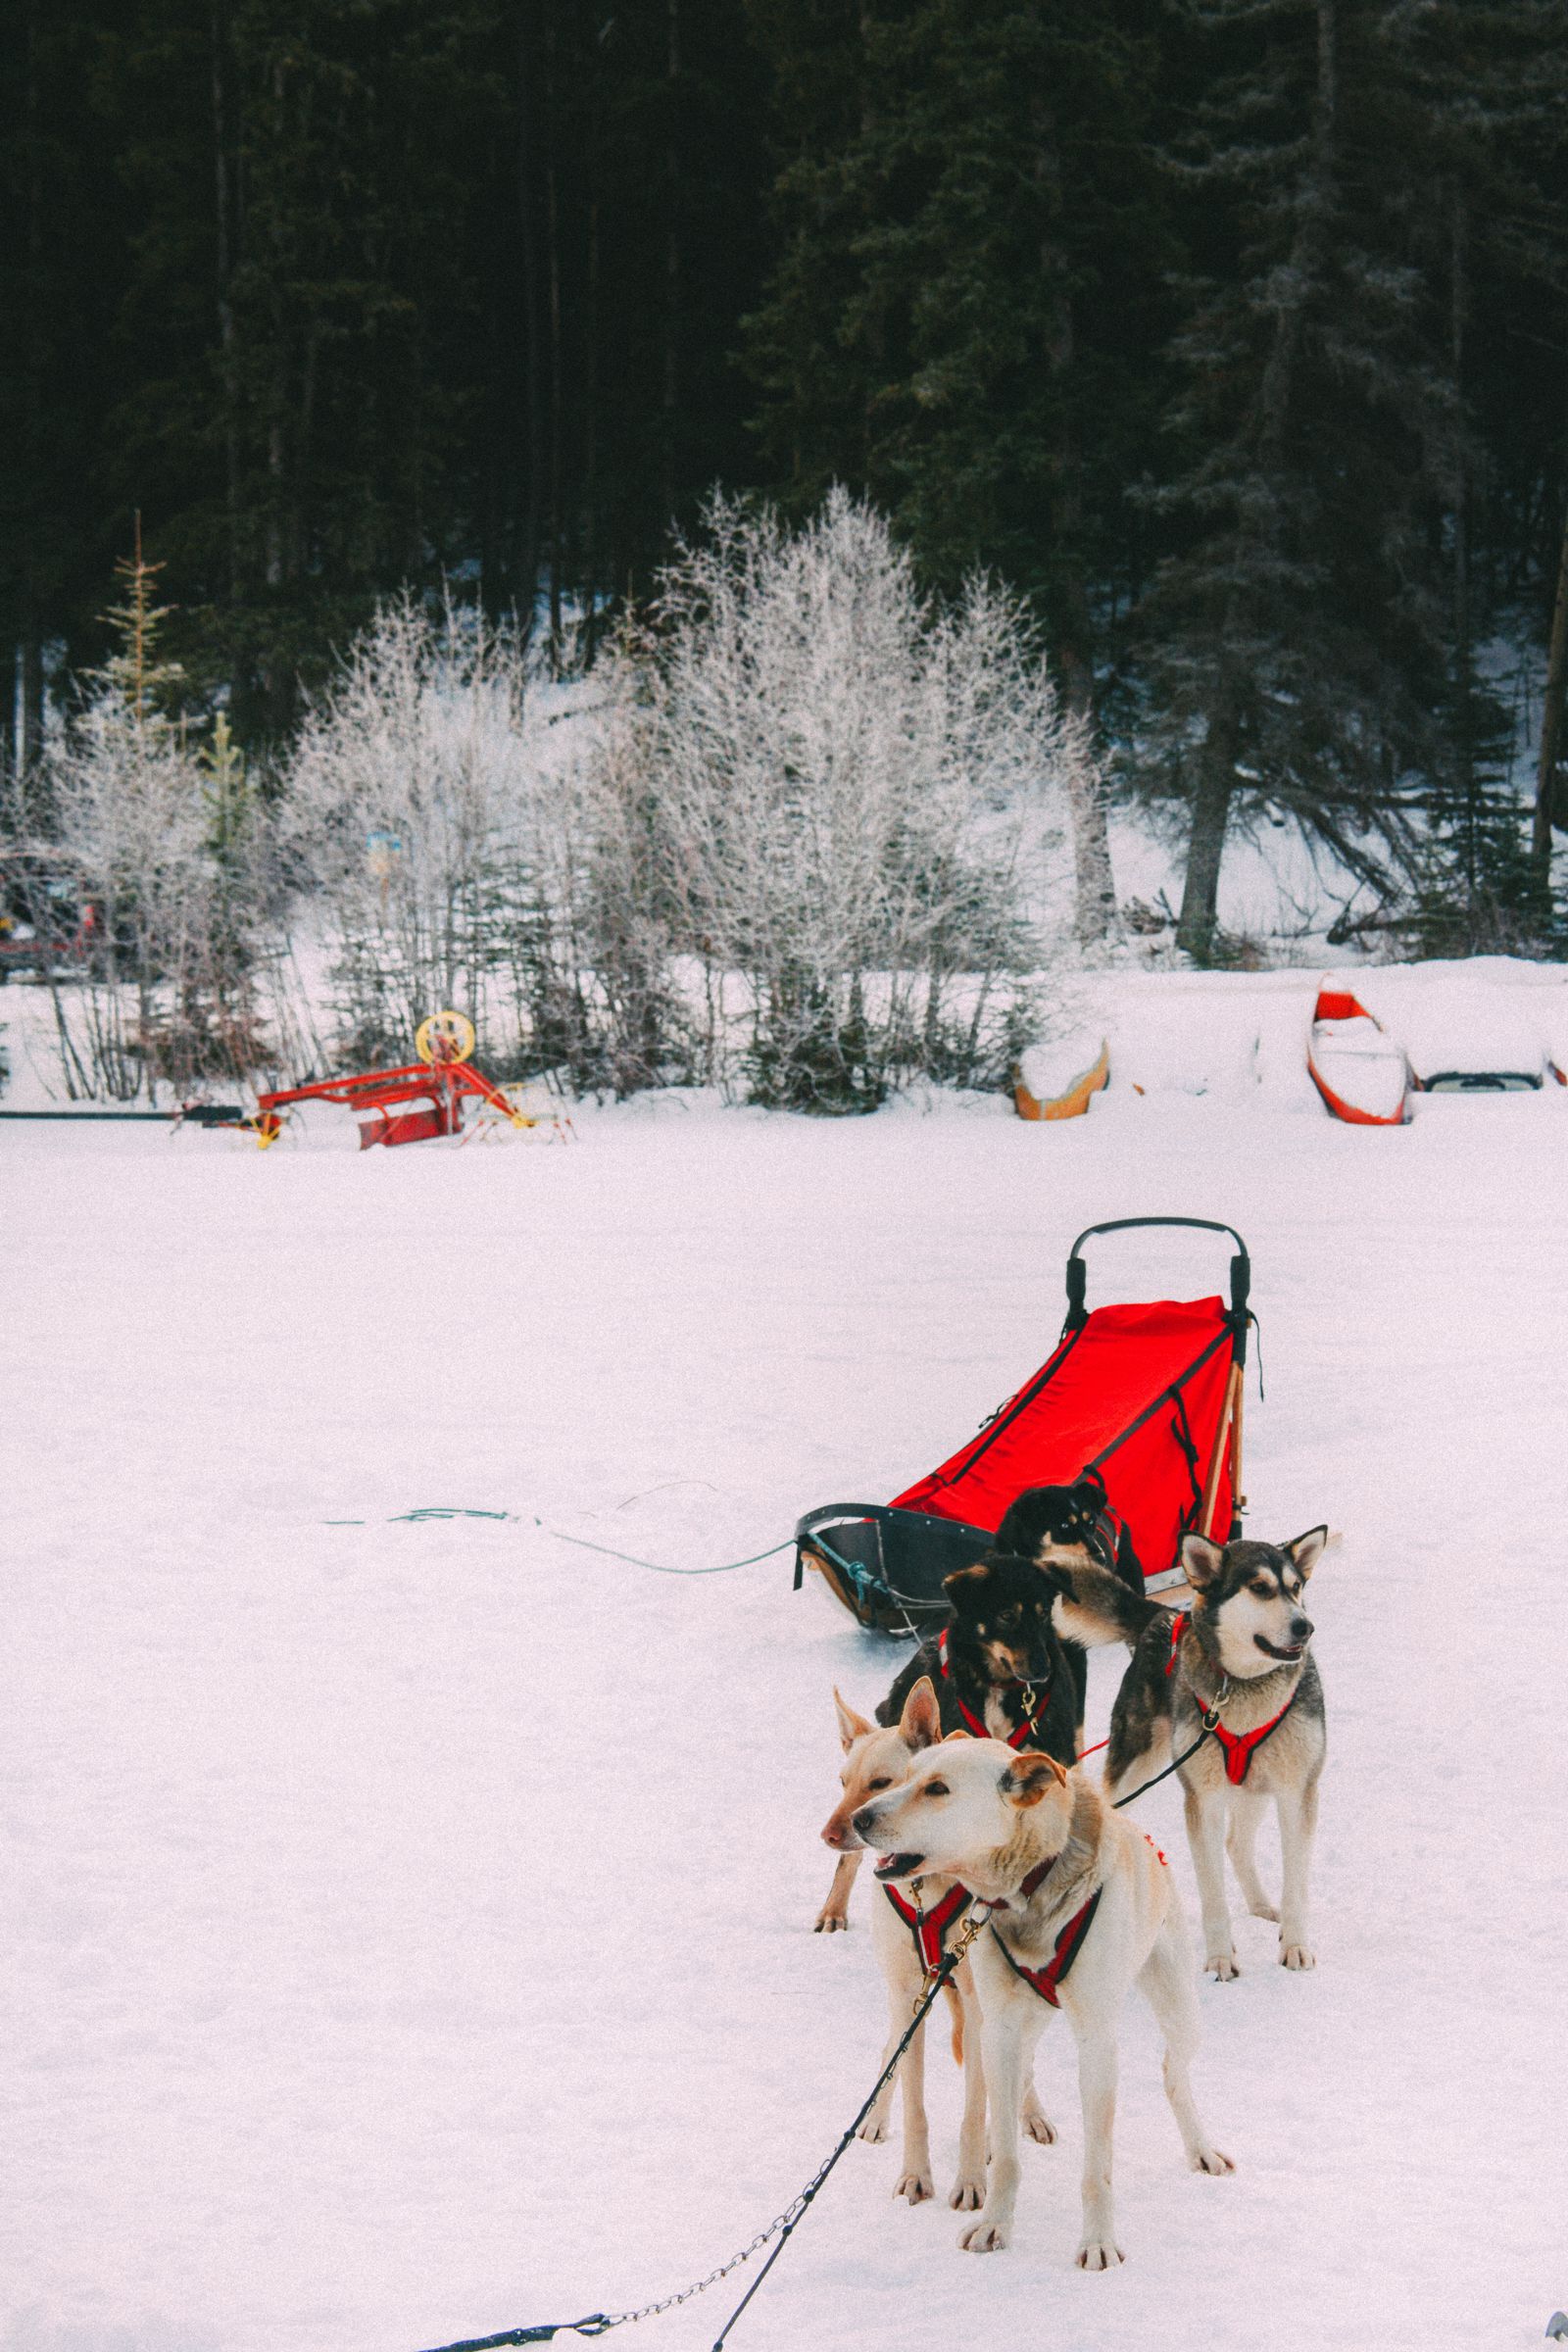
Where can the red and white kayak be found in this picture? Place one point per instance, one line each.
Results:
(1359, 1070)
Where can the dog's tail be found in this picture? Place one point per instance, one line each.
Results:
(957, 2006)
(1093, 1607)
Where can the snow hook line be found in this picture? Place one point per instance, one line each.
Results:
(440, 1510)
(783, 2225)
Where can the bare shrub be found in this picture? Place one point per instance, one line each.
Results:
(844, 796)
(424, 810)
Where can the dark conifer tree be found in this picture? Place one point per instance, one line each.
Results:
(968, 291)
(1297, 638)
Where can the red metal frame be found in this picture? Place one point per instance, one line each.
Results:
(441, 1085)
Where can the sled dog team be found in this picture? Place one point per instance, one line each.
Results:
(966, 1788)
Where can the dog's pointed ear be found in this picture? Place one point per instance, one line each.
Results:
(852, 1727)
(920, 1723)
(1202, 1561)
(961, 1733)
(1028, 1778)
(961, 1583)
(1307, 1550)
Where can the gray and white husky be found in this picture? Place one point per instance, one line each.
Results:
(1238, 1663)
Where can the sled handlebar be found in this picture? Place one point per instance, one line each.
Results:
(1240, 1270)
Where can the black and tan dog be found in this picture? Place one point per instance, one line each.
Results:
(1068, 1526)
(998, 1667)
(1238, 1664)
(1072, 1534)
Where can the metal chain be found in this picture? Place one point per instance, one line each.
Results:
(597, 2323)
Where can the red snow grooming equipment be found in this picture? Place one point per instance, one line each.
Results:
(1145, 1402)
(442, 1079)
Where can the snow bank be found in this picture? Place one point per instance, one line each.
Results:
(1486, 1013)
(409, 1923)
(1241, 1037)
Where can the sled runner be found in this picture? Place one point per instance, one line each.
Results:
(1144, 1399)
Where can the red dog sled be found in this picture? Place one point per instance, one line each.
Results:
(1144, 1400)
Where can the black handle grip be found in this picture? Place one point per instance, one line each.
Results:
(1240, 1270)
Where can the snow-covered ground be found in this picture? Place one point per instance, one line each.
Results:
(409, 1923)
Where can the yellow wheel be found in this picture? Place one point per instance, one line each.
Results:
(444, 1037)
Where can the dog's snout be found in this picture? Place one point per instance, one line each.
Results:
(1301, 1628)
(864, 1823)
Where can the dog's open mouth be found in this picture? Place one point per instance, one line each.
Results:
(1286, 1654)
(898, 1866)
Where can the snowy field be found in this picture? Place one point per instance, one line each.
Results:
(409, 1924)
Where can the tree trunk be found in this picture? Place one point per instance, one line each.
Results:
(1211, 807)
(1095, 882)
(1551, 716)
(1463, 666)
(558, 555)
(672, 255)
(526, 540)
(224, 223)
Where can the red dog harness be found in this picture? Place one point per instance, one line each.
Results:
(1068, 1947)
(1026, 1730)
(1237, 1747)
(928, 1927)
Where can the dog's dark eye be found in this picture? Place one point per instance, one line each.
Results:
(883, 1783)
(1264, 1592)
(938, 1788)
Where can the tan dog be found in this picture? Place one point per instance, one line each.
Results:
(1084, 1907)
(876, 1759)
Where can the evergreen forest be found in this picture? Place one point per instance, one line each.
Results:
(1229, 336)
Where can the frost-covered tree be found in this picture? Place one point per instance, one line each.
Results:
(424, 810)
(851, 799)
(166, 844)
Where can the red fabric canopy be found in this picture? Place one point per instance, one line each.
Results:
(1137, 1393)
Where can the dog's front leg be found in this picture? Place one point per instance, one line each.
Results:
(1097, 2083)
(1166, 1979)
(1298, 1825)
(835, 1912)
(1246, 1811)
(1206, 1834)
(914, 2181)
(970, 2189)
(1005, 2055)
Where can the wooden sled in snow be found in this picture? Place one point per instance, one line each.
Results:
(1145, 1400)
(1359, 1069)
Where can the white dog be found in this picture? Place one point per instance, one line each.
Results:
(1081, 1905)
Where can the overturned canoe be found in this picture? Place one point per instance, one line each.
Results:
(1068, 1101)
(1359, 1070)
